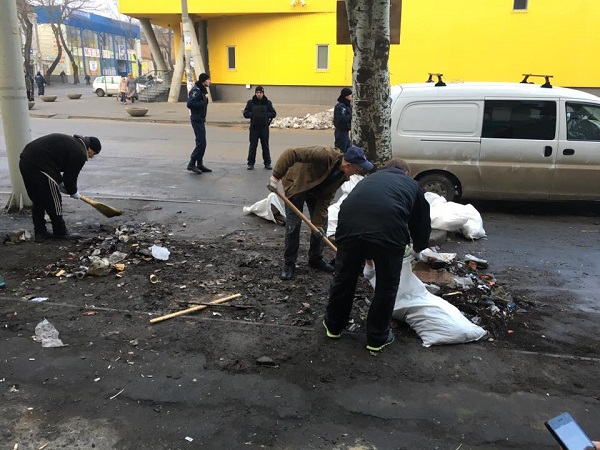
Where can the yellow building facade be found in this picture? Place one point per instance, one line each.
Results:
(283, 44)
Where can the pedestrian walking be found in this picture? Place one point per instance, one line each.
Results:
(51, 165)
(198, 105)
(260, 111)
(312, 175)
(87, 79)
(131, 88)
(342, 120)
(123, 90)
(376, 221)
(41, 82)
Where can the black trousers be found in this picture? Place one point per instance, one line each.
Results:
(348, 264)
(292, 230)
(256, 134)
(45, 198)
(199, 127)
(342, 140)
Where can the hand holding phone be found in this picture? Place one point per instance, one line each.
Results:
(569, 434)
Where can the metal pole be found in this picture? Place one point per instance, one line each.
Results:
(13, 102)
(187, 42)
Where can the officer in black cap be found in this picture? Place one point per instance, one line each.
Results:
(342, 120)
(260, 111)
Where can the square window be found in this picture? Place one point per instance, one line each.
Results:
(322, 57)
(520, 5)
(231, 58)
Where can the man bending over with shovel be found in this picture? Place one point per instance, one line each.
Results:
(50, 165)
(312, 175)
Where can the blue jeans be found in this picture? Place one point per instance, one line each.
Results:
(292, 230)
(198, 124)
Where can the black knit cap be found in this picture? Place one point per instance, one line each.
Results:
(91, 142)
(95, 144)
(346, 92)
(259, 89)
(203, 77)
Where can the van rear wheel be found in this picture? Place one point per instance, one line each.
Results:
(439, 184)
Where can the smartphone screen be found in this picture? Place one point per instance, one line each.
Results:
(568, 433)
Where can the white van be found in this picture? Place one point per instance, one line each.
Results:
(499, 140)
(106, 85)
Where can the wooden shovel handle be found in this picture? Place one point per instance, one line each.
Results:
(194, 308)
(305, 219)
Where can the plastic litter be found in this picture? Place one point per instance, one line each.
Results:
(38, 299)
(116, 257)
(47, 335)
(99, 267)
(159, 252)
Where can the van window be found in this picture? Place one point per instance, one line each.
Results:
(519, 119)
(583, 122)
(440, 118)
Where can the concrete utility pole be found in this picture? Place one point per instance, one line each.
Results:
(13, 102)
(177, 75)
(187, 43)
(153, 43)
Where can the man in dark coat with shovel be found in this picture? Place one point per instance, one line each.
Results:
(50, 165)
(312, 175)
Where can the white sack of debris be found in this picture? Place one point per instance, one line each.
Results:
(267, 208)
(450, 216)
(435, 320)
(334, 209)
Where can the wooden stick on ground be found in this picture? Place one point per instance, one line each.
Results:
(194, 308)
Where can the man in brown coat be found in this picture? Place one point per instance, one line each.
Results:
(312, 175)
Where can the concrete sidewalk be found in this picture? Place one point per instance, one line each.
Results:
(90, 106)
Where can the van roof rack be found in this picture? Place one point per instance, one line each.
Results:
(439, 77)
(546, 77)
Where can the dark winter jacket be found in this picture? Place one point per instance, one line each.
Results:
(386, 208)
(260, 112)
(39, 79)
(304, 169)
(59, 156)
(198, 101)
(342, 115)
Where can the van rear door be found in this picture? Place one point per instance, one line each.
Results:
(518, 148)
(577, 171)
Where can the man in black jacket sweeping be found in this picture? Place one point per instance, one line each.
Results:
(376, 221)
(260, 111)
(49, 165)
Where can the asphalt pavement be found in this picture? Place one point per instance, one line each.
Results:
(90, 106)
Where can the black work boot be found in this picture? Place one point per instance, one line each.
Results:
(192, 167)
(321, 264)
(202, 167)
(288, 271)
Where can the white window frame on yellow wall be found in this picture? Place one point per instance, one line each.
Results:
(229, 65)
(520, 5)
(326, 47)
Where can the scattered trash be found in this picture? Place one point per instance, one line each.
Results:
(266, 361)
(159, 252)
(2, 283)
(17, 236)
(479, 263)
(116, 257)
(119, 267)
(153, 279)
(38, 299)
(60, 273)
(47, 335)
(99, 267)
(189, 439)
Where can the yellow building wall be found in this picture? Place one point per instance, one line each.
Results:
(470, 40)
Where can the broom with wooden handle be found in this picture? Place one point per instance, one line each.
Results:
(108, 211)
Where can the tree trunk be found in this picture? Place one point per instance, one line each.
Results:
(70, 55)
(369, 23)
(58, 52)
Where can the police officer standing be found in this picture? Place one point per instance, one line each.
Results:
(198, 104)
(260, 111)
(342, 120)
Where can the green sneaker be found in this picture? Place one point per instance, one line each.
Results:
(329, 333)
(387, 342)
